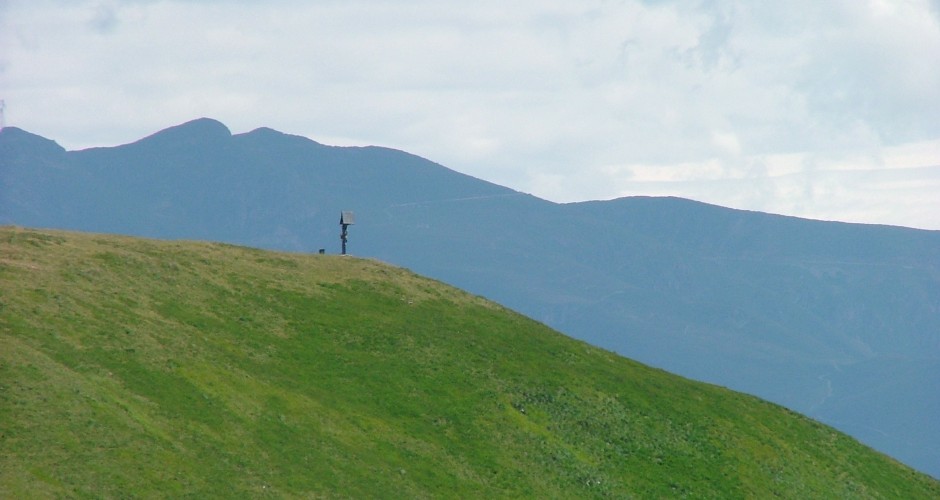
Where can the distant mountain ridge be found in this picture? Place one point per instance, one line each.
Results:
(838, 321)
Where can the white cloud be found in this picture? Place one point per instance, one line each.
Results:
(752, 105)
(899, 186)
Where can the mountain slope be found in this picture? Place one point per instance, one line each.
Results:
(838, 321)
(143, 367)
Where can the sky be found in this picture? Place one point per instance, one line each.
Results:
(815, 108)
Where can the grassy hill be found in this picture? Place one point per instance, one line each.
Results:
(137, 367)
(795, 311)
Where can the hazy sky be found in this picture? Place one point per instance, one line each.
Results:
(822, 109)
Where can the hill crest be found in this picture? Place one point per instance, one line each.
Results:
(207, 369)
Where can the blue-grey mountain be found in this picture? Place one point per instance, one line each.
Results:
(838, 321)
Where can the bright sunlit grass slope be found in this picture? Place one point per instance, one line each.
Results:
(131, 367)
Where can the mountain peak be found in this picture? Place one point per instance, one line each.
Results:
(13, 139)
(204, 125)
(264, 134)
(198, 131)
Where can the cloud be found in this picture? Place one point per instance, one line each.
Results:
(104, 20)
(562, 99)
(898, 186)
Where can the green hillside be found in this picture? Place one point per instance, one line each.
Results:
(132, 367)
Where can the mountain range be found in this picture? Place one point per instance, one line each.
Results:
(838, 321)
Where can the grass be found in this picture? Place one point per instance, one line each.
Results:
(131, 367)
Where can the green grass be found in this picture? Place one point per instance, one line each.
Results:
(143, 368)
